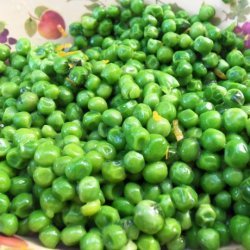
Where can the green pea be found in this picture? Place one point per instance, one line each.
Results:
(203, 45)
(167, 205)
(236, 154)
(209, 161)
(72, 128)
(107, 215)
(188, 118)
(170, 231)
(155, 148)
(212, 183)
(49, 236)
(63, 189)
(155, 172)
(189, 149)
(213, 140)
(5, 182)
(205, 215)
(4, 203)
(184, 198)
(147, 241)
(50, 203)
(134, 162)
(161, 126)
(4, 52)
(237, 226)
(22, 205)
(234, 120)
(245, 238)
(206, 12)
(60, 164)
(223, 200)
(88, 189)
(236, 74)
(72, 234)
(23, 46)
(8, 224)
(147, 217)
(91, 240)
(78, 168)
(208, 238)
(72, 215)
(181, 173)
(113, 171)
(46, 154)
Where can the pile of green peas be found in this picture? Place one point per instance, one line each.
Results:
(134, 137)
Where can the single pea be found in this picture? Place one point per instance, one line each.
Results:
(184, 198)
(63, 189)
(155, 148)
(234, 120)
(213, 140)
(72, 128)
(71, 215)
(245, 189)
(181, 173)
(142, 112)
(184, 219)
(107, 215)
(5, 182)
(133, 192)
(197, 29)
(232, 176)
(116, 137)
(78, 168)
(147, 241)
(4, 52)
(91, 208)
(188, 118)
(208, 238)
(206, 12)
(50, 203)
(170, 39)
(166, 205)
(46, 154)
(113, 171)
(134, 162)
(22, 205)
(8, 224)
(205, 215)
(111, 73)
(237, 226)
(203, 45)
(245, 238)
(235, 58)
(236, 74)
(4, 203)
(155, 172)
(88, 189)
(97, 104)
(209, 161)
(223, 200)
(91, 240)
(147, 217)
(223, 231)
(49, 236)
(188, 149)
(159, 125)
(236, 154)
(23, 46)
(212, 183)
(170, 231)
(72, 234)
